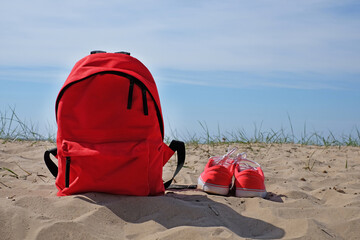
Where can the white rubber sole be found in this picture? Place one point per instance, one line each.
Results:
(212, 188)
(245, 192)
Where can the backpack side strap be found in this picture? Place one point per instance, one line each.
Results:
(179, 147)
(49, 163)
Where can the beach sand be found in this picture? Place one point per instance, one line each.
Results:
(313, 193)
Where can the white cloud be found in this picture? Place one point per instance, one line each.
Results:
(264, 36)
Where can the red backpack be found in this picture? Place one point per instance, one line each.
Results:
(110, 129)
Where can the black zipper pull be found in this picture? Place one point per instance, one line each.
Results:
(67, 172)
(131, 89)
(145, 106)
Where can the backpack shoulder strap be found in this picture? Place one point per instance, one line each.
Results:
(179, 147)
(49, 163)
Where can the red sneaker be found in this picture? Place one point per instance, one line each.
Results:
(215, 178)
(217, 175)
(249, 180)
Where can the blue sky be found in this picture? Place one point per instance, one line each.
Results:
(231, 64)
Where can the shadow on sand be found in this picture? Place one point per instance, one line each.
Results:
(176, 209)
(275, 197)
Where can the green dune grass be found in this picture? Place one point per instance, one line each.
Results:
(13, 128)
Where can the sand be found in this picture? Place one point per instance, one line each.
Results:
(313, 193)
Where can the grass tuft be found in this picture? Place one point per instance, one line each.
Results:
(13, 128)
(270, 137)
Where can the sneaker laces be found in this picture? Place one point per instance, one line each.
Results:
(240, 159)
(244, 163)
(226, 159)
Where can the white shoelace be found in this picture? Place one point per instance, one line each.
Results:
(225, 160)
(240, 159)
(245, 163)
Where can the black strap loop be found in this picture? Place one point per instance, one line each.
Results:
(179, 186)
(179, 147)
(49, 163)
(145, 106)
(67, 172)
(131, 89)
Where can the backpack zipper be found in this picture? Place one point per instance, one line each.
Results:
(130, 96)
(67, 172)
(131, 78)
(131, 90)
(145, 106)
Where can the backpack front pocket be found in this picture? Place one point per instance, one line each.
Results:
(118, 168)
